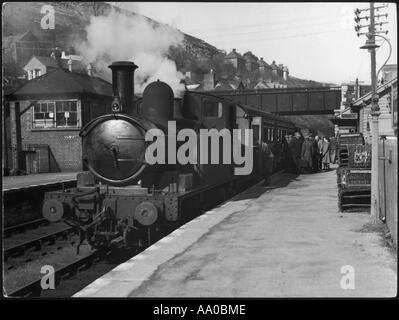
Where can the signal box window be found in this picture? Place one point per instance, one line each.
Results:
(43, 115)
(66, 115)
(55, 114)
(212, 109)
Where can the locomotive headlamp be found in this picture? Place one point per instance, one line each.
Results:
(116, 105)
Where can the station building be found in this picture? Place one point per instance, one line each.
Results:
(357, 117)
(45, 117)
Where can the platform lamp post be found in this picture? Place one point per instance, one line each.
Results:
(375, 109)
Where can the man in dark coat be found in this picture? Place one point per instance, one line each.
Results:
(268, 158)
(307, 154)
(295, 147)
(333, 149)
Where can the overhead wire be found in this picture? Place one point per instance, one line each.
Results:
(268, 30)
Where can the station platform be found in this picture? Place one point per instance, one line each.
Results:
(19, 183)
(285, 240)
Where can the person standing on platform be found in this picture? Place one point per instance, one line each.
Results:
(320, 152)
(268, 158)
(307, 154)
(326, 154)
(289, 161)
(316, 154)
(295, 147)
(286, 153)
(333, 149)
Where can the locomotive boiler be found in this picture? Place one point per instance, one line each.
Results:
(122, 195)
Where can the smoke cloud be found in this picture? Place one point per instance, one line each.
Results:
(118, 37)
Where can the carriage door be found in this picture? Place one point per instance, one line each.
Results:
(256, 126)
(215, 115)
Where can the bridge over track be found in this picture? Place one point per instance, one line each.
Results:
(290, 101)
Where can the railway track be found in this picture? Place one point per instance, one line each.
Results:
(58, 249)
(23, 227)
(54, 245)
(19, 248)
(74, 276)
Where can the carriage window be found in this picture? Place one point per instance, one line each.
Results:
(270, 135)
(255, 131)
(212, 109)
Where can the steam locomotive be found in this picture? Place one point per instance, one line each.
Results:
(122, 196)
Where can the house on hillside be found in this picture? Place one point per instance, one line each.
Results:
(265, 70)
(262, 84)
(39, 65)
(251, 61)
(20, 48)
(46, 115)
(286, 73)
(236, 60)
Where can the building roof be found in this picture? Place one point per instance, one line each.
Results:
(262, 63)
(274, 65)
(250, 57)
(262, 84)
(50, 62)
(60, 81)
(234, 55)
(223, 85)
(28, 34)
(365, 99)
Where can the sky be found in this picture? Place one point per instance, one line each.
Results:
(317, 41)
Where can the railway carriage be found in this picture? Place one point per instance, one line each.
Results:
(122, 196)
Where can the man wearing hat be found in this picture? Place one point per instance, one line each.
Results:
(295, 147)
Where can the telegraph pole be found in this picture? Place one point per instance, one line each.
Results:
(375, 113)
(375, 109)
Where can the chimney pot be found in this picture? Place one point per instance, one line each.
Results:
(70, 64)
(123, 86)
(89, 70)
(56, 55)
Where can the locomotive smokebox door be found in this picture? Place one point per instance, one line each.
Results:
(114, 148)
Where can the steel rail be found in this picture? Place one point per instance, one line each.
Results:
(19, 228)
(37, 243)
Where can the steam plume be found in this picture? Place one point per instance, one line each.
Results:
(118, 37)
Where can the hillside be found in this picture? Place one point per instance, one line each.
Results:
(71, 21)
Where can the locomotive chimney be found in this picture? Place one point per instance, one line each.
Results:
(123, 87)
